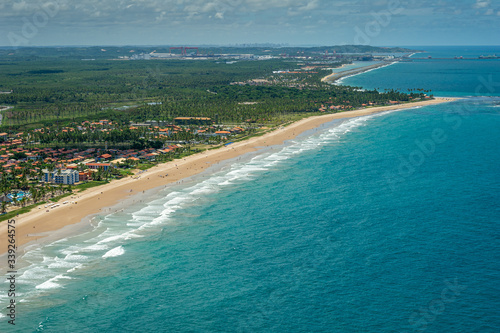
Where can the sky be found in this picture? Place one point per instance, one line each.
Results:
(229, 22)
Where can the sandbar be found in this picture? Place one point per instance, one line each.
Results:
(337, 76)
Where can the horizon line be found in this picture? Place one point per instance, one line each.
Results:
(243, 45)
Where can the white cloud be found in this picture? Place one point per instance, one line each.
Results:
(269, 17)
(20, 6)
(293, 5)
(482, 3)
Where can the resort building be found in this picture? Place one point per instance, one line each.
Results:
(67, 176)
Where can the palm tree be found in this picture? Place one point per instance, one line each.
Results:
(4, 206)
(42, 192)
(98, 174)
(32, 174)
(40, 173)
(52, 190)
(34, 194)
(24, 183)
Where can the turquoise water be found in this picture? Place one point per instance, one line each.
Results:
(451, 77)
(19, 196)
(384, 223)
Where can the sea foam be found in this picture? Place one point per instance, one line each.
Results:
(117, 251)
(45, 271)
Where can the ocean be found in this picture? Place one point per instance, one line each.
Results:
(383, 223)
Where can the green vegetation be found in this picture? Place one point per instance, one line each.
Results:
(23, 210)
(85, 186)
(145, 166)
(68, 113)
(55, 87)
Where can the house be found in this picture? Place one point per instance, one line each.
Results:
(222, 133)
(104, 157)
(84, 176)
(133, 159)
(151, 156)
(95, 166)
(32, 157)
(237, 130)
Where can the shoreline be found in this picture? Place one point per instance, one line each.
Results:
(332, 78)
(38, 224)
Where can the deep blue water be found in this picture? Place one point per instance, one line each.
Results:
(385, 223)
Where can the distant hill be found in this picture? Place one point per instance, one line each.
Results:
(350, 49)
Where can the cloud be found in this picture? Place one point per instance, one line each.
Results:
(261, 5)
(482, 3)
(311, 5)
(247, 18)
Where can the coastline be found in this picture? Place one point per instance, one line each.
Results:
(337, 76)
(36, 225)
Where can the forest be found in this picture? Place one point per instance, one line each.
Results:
(55, 106)
(49, 91)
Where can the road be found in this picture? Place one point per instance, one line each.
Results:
(4, 108)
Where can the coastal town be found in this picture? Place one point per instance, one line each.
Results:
(47, 164)
(58, 139)
(33, 172)
(249, 166)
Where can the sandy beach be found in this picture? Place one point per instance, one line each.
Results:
(33, 226)
(336, 76)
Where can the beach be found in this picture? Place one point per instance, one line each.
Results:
(342, 217)
(33, 226)
(336, 76)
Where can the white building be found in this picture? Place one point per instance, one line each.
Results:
(67, 177)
